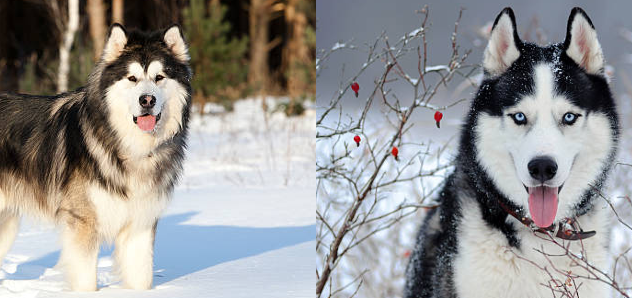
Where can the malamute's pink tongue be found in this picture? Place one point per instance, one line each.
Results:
(543, 205)
(146, 123)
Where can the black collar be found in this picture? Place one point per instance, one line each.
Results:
(566, 229)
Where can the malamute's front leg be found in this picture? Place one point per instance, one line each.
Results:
(134, 253)
(9, 224)
(79, 254)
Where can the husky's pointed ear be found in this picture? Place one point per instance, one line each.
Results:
(581, 42)
(502, 49)
(117, 38)
(175, 42)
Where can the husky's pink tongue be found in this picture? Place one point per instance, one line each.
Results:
(146, 123)
(543, 205)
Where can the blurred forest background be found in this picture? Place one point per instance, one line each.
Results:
(238, 48)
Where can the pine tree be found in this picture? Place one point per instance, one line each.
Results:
(218, 61)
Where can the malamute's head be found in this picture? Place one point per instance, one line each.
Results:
(545, 121)
(145, 78)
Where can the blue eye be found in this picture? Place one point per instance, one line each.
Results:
(519, 118)
(570, 118)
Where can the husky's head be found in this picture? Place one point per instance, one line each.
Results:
(544, 118)
(145, 79)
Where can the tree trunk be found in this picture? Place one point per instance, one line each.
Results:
(66, 45)
(258, 73)
(96, 13)
(296, 53)
(117, 11)
(9, 74)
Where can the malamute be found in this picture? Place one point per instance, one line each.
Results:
(534, 153)
(100, 161)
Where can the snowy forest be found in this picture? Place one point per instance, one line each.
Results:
(238, 48)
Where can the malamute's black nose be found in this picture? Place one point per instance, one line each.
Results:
(542, 168)
(147, 101)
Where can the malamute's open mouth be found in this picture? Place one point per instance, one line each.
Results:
(543, 202)
(147, 122)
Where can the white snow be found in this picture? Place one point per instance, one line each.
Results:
(241, 222)
(338, 45)
(415, 32)
(437, 68)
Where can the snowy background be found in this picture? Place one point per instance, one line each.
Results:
(241, 222)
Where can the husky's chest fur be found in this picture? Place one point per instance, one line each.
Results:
(485, 264)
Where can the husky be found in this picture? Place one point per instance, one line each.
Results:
(534, 154)
(101, 161)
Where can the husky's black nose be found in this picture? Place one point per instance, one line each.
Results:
(147, 101)
(542, 168)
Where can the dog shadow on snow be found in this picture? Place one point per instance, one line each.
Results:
(181, 249)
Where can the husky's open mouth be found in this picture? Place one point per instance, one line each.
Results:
(543, 202)
(147, 122)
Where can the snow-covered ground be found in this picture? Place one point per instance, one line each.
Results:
(241, 222)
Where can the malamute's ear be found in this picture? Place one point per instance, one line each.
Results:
(115, 43)
(175, 42)
(502, 49)
(581, 42)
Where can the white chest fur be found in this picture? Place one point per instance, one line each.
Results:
(140, 209)
(486, 266)
(143, 204)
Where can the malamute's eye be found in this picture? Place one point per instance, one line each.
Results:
(132, 78)
(158, 78)
(570, 118)
(519, 118)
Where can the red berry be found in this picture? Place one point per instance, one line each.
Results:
(406, 253)
(357, 140)
(438, 116)
(395, 152)
(355, 87)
